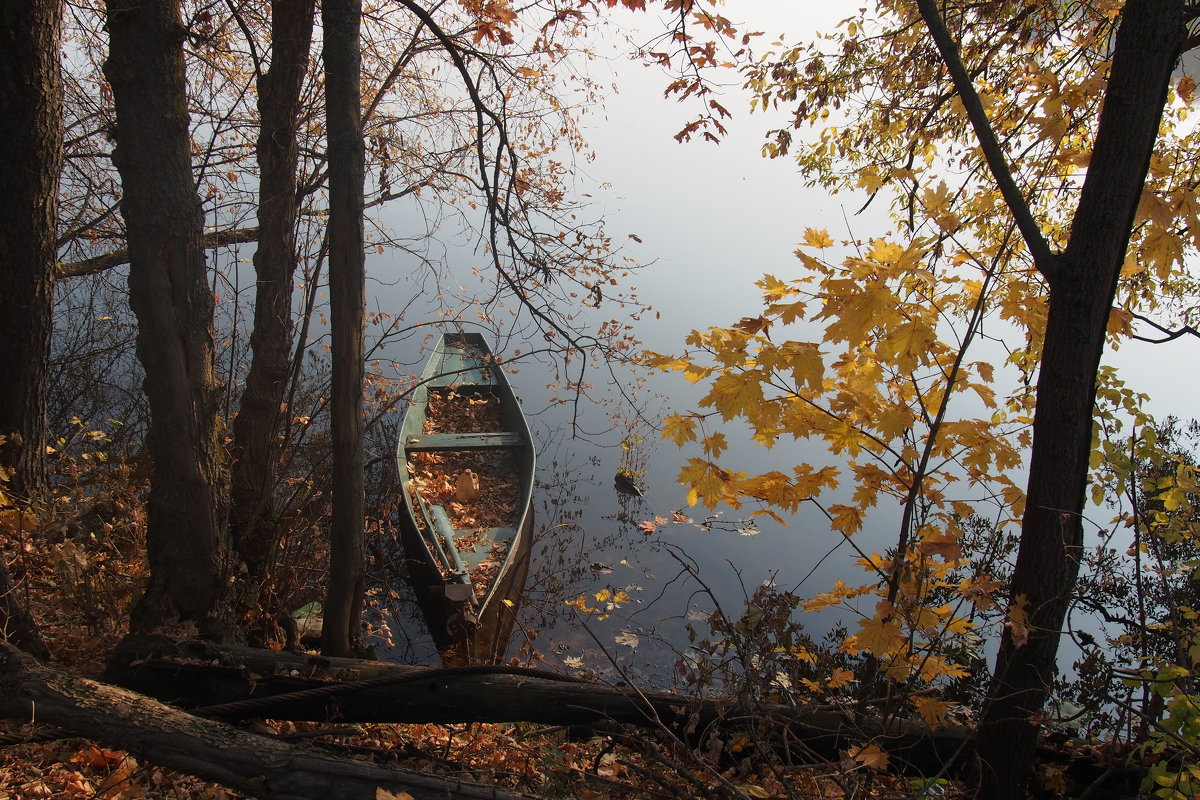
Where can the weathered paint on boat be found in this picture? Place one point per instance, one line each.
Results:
(466, 629)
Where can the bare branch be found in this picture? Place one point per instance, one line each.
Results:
(115, 258)
(1043, 257)
(1169, 335)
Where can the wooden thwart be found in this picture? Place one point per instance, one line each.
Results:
(463, 441)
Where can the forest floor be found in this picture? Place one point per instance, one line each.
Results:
(78, 572)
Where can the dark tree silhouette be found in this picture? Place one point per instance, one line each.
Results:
(187, 526)
(340, 21)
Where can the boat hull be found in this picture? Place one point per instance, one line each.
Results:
(468, 570)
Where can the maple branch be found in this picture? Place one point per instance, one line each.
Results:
(1170, 335)
(1043, 257)
(115, 258)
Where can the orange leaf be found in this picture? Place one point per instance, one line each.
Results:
(1018, 620)
(384, 794)
(870, 756)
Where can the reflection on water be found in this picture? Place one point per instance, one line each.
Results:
(613, 583)
(609, 589)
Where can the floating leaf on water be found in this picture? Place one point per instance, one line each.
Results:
(627, 638)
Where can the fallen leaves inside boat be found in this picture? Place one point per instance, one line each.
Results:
(479, 489)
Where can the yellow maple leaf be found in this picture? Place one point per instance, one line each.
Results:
(884, 252)
(979, 591)
(930, 709)
(880, 637)
(846, 519)
(869, 755)
(805, 362)
(1120, 322)
(870, 179)
(679, 429)
(1015, 497)
(817, 238)
(840, 677)
(709, 483)
(733, 394)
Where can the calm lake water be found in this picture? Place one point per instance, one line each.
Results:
(593, 540)
(710, 221)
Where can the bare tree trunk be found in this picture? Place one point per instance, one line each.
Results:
(31, 135)
(256, 449)
(187, 535)
(340, 20)
(31, 95)
(1083, 283)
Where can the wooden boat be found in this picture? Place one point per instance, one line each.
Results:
(466, 465)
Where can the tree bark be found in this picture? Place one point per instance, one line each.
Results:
(340, 20)
(187, 530)
(255, 429)
(255, 765)
(31, 136)
(1083, 283)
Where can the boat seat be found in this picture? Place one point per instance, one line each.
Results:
(464, 375)
(463, 441)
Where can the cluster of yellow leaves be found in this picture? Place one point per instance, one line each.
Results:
(876, 390)
(903, 382)
(608, 600)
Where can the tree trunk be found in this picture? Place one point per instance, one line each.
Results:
(255, 765)
(187, 531)
(1083, 283)
(256, 449)
(340, 21)
(31, 135)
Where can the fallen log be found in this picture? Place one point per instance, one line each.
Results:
(157, 733)
(196, 675)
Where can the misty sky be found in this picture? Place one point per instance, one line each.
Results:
(714, 218)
